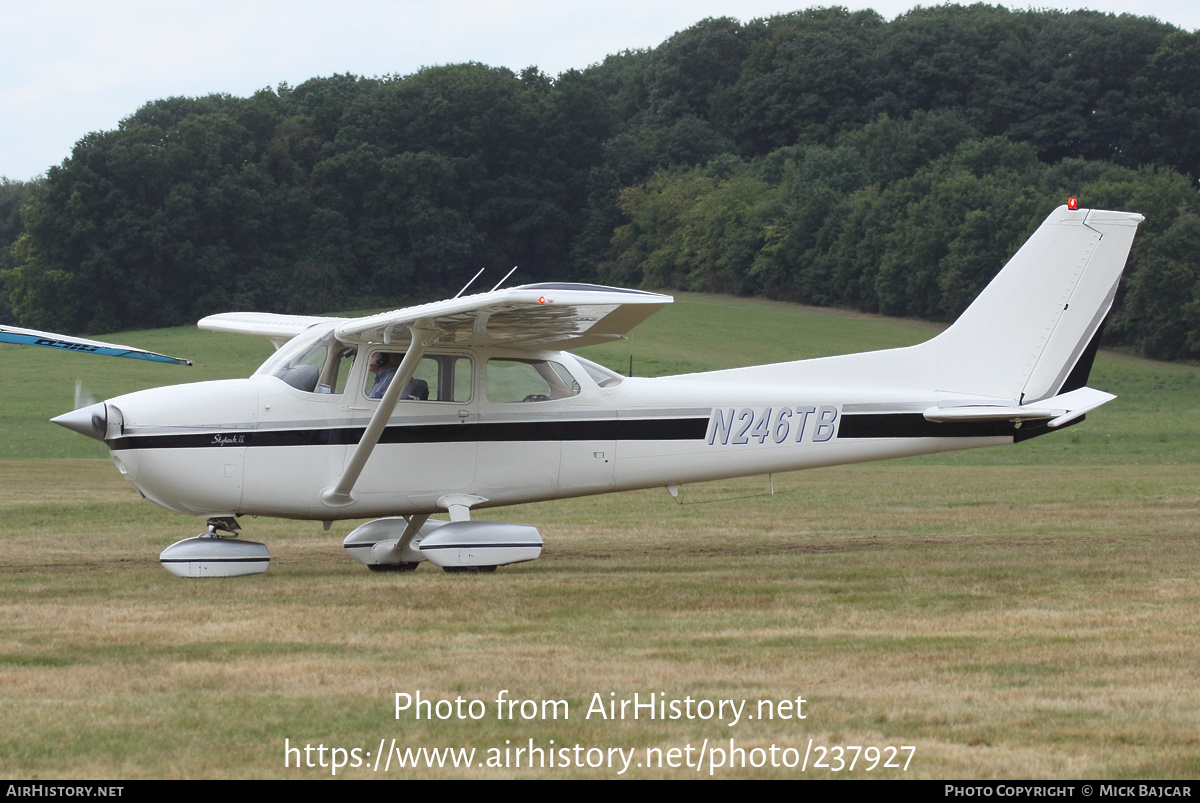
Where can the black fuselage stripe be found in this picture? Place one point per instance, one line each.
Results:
(666, 429)
(850, 427)
(915, 425)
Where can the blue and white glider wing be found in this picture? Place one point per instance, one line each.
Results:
(532, 316)
(50, 340)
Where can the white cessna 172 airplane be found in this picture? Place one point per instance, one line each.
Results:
(487, 407)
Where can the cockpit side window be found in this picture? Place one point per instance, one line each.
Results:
(528, 381)
(439, 377)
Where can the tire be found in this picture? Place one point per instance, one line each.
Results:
(392, 567)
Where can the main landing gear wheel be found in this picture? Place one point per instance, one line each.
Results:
(397, 544)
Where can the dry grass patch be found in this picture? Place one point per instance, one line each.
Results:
(1007, 624)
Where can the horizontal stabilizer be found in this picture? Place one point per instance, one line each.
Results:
(1059, 410)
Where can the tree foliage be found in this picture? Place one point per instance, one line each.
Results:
(13, 196)
(827, 156)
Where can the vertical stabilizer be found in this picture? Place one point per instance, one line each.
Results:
(1027, 330)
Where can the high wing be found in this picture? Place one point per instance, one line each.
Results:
(564, 315)
(530, 316)
(277, 328)
(50, 340)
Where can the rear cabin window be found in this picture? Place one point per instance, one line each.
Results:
(511, 381)
(599, 374)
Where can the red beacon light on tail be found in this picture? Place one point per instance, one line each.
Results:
(1072, 203)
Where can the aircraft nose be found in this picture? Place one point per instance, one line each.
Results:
(91, 420)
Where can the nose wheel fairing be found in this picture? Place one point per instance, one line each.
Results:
(216, 553)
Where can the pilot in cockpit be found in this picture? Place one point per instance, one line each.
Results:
(384, 369)
(384, 366)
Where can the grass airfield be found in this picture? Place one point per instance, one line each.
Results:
(1017, 612)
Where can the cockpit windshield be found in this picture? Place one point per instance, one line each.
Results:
(314, 361)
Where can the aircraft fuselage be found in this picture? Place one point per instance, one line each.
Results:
(258, 446)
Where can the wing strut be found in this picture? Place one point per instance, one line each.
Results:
(341, 494)
(415, 523)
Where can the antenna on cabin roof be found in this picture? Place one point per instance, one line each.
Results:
(468, 284)
(505, 279)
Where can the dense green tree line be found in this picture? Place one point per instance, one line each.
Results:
(826, 156)
(13, 196)
(820, 232)
(341, 190)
